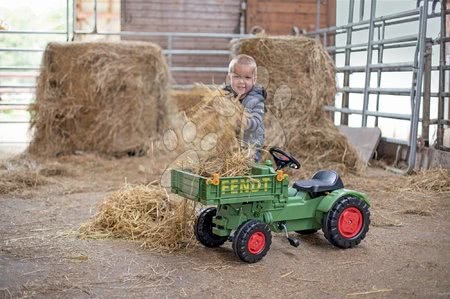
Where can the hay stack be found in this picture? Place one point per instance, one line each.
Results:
(104, 97)
(300, 79)
(145, 213)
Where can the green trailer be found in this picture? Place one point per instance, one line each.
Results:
(246, 209)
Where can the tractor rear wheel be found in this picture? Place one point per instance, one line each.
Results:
(347, 223)
(203, 229)
(252, 241)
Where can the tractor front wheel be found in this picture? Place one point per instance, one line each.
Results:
(203, 229)
(252, 241)
(347, 223)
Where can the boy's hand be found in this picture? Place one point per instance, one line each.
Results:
(239, 125)
(245, 117)
(241, 122)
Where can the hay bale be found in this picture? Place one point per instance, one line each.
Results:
(145, 213)
(299, 78)
(103, 97)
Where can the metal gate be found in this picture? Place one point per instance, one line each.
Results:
(419, 66)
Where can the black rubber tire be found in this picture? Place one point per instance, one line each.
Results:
(203, 229)
(242, 237)
(307, 231)
(330, 222)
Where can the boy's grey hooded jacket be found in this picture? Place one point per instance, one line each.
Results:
(253, 103)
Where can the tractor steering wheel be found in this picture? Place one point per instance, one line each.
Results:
(283, 159)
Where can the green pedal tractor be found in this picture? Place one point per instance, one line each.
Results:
(248, 208)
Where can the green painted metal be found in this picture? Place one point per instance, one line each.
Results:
(328, 201)
(258, 196)
(230, 189)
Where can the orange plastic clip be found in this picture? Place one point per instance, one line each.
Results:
(281, 175)
(215, 180)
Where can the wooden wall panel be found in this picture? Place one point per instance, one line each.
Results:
(194, 16)
(279, 16)
(217, 16)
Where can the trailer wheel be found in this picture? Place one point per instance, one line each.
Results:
(203, 229)
(306, 232)
(347, 223)
(252, 241)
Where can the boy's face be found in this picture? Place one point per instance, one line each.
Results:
(243, 78)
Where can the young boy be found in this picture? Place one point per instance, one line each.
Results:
(242, 83)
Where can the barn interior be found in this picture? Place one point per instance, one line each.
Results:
(101, 99)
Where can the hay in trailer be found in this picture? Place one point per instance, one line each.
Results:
(103, 97)
(225, 164)
(145, 213)
(299, 78)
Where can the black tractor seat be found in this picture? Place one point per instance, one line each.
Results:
(322, 181)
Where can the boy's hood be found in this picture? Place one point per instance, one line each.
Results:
(258, 92)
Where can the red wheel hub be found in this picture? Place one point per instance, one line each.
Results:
(350, 222)
(256, 243)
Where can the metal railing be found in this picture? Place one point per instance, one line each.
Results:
(443, 39)
(420, 67)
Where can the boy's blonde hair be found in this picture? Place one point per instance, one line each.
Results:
(241, 59)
